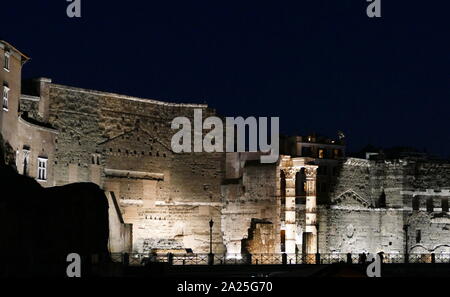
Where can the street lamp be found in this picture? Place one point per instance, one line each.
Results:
(210, 256)
(211, 223)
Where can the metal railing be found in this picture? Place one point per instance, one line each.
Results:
(142, 259)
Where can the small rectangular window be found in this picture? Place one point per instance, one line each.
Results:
(430, 205)
(321, 153)
(418, 236)
(445, 204)
(5, 98)
(415, 203)
(336, 153)
(42, 169)
(6, 61)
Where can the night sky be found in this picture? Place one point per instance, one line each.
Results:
(319, 65)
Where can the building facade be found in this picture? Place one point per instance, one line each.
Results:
(314, 199)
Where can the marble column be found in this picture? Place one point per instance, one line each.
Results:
(291, 227)
(311, 209)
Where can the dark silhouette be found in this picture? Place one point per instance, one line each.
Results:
(41, 226)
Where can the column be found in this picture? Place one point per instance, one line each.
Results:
(311, 209)
(291, 226)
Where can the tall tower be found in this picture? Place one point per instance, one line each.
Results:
(11, 62)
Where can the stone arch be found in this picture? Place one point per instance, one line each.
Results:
(419, 249)
(442, 249)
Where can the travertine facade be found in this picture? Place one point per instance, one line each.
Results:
(313, 199)
(123, 144)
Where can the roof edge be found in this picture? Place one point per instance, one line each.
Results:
(26, 58)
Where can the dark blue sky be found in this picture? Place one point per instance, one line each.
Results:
(319, 65)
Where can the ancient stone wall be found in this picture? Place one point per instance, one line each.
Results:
(261, 239)
(428, 232)
(29, 107)
(251, 197)
(354, 175)
(172, 196)
(427, 175)
(350, 230)
(123, 144)
(355, 222)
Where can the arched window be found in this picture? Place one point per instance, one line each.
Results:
(382, 200)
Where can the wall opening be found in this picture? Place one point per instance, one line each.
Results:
(283, 241)
(415, 203)
(300, 191)
(283, 187)
(444, 204)
(382, 200)
(430, 206)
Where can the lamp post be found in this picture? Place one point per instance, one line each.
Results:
(211, 257)
(211, 223)
(405, 228)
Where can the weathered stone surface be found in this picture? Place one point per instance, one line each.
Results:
(251, 197)
(261, 238)
(356, 223)
(123, 144)
(166, 200)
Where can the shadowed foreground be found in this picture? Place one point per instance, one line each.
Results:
(41, 226)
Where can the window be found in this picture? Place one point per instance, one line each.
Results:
(42, 169)
(26, 161)
(382, 200)
(444, 204)
(415, 203)
(430, 206)
(6, 61)
(321, 153)
(5, 97)
(418, 236)
(336, 153)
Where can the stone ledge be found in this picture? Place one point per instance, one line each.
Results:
(133, 174)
